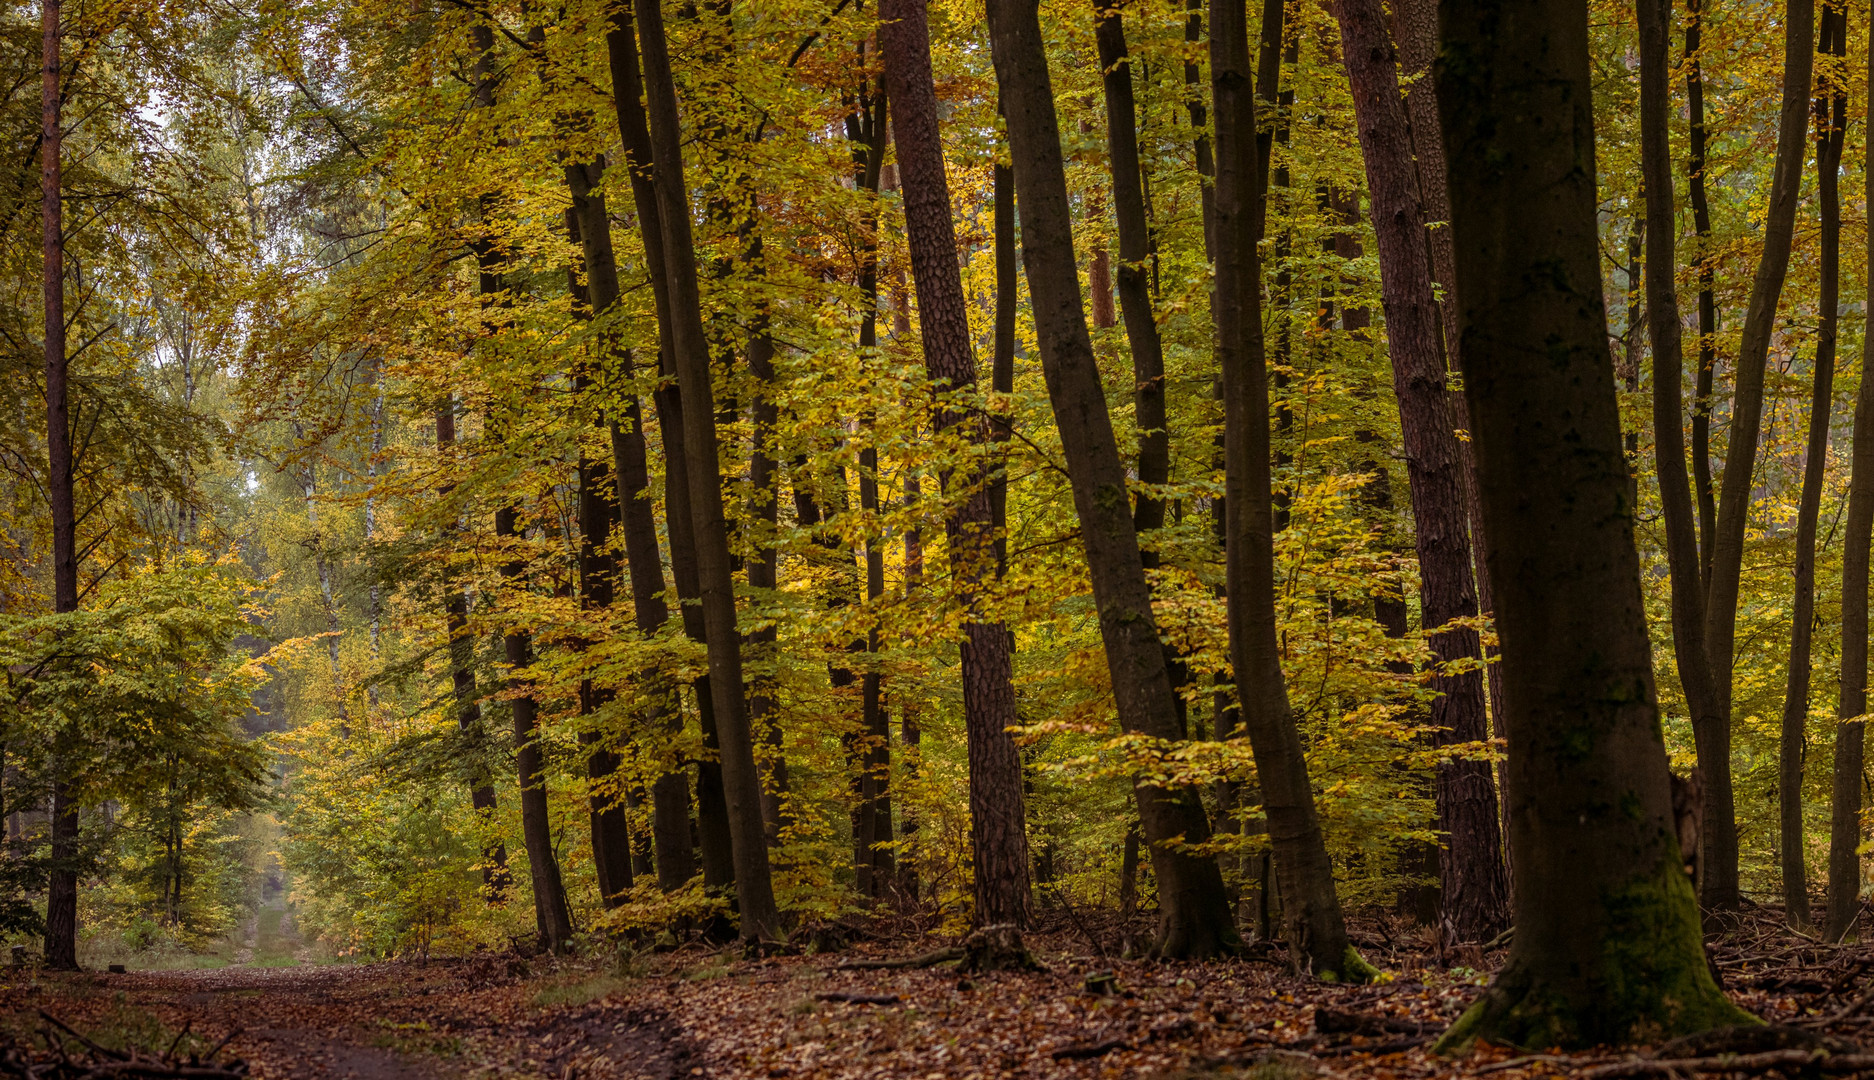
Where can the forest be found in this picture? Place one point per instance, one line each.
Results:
(1362, 503)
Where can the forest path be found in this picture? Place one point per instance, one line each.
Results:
(387, 1021)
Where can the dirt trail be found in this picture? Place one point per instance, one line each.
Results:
(391, 1021)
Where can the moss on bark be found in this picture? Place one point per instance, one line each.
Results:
(1644, 980)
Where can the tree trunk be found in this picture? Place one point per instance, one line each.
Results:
(998, 836)
(1688, 595)
(61, 943)
(551, 917)
(670, 798)
(1713, 733)
(1194, 908)
(598, 568)
(1607, 947)
(760, 919)
(1707, 290)
(1831, 109)
(763, 574)
(1317, 932)
(1474, 884)
(1844, 834)
(495, 875)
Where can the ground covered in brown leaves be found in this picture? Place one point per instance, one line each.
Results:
(700, 1011)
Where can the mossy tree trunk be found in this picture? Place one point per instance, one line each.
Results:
(1608, 945)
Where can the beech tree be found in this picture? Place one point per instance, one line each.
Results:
(1597, 867)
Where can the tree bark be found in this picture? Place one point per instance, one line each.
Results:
(61, 941)
(496, 878)
(1707, 289)
(1317, 932)
(598, 568)
(1844, 834)
(1662, 302)
(1474, 883)
(760, 919)
(998, 836)
(670, 793)
(1713, 734)
(1597, 867)
(1831, 117)
(1193, 906)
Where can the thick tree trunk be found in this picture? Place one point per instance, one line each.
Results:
(495, 876)
(1607, 945)
(1713, 733)
(1831, 109)
(760, 919)
(1317, 932)
(1844, 833)
(1474, 883)
(1194, 908)
(61, 943)
(998, 836)
(669, 794)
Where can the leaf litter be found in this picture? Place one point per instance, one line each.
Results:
(703, 1012)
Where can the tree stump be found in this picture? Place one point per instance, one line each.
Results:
(997, 948)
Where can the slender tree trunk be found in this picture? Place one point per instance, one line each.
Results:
(1317, 932)
(1844, 834)
(1002, 359)
(1474, 883)
(763, 573)
(1707, 291)
(1597, 866)
(61, 944)
(551, 917)
(760, 919)
(998, 836)
(1713, 733)
(598, 569)
(1688, 595)
(1831, 115)
(496, 878)
(669, 795)
(1193, 906)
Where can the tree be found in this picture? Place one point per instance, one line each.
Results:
(1712, 718)
(689, 353)
(998, 836)
(1831, 109)
(1310, 906)
(61, 941)
(1475, 884)
(1844, 834)
(1597, 867)
(1194, 913)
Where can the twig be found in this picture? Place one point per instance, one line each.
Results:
(1519, 1062)
(1810, 1060)
(232, 1035)
(860, 999)
(177, 1041)
(929, 959)
(67, 1029)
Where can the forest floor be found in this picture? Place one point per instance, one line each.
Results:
(713, 1013)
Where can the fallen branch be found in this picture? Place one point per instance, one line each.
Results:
(860, 999)
(1392, 1047)
(1090, 1050)
(929, 959)
(1820, 1061)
